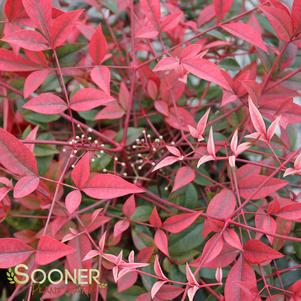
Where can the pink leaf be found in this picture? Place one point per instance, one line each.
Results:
(50, 249)
(232, 239)
(280, 20)
(101, 77)
(9, 61)
(63, 26)
(16, 157)
(13, 251)
(25, 186)
(296, 15)
(168, 63)
(184, 176)
(27, 39)
(297, 163)
(34, 80)
(173, 150)
(212, 249)
(206, 70)
(222, 205)
(40, 12)
(161, 241)
(257, 119)
(256, 252)
(290, 212)
(272, 128)
(111, 111)
(155, 219)
(156, 287)
(107, 186)
(129, 206)
(81, 172)
(120, 227)
(158, 270)
(210, 144)
(249, 185)
(169, 160)
(241, 272)
(205, 159)
(201, 126)
(46, 103)
(89, 98)
(189, 276)
(246, 32)
(222, 8)
(178, 223)
(98, 46)
(73, 200)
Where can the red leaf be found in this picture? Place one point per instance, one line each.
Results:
(241, 273)
(107, 186)
(161, 241)
(184, 176)
(27, 39)
(40, 13)
(206, 70)
(256, 252)
(63, 26)
(50, 249)
(280, 20)
(178, 223)
(248, 186)
(246, 32)
(221, 8)
(9, 61)
(14, 9)
(73, 200)
(16, 157)
(296, 9)
(101, 76)
(98, 46)
(232, 239)
(168, 63)
(33, 81)
(290, 212)
(89, 98)
(25, 186)
(155, 219)
(46, 103)
(151, 10)
(212, 249)
(166, 162)
(222, 205)
(12, 252)
(169, 292)
(81, 172)
(120, 227)
(129, 206)
(257, 119)
(156, 287)
(111, 111)
(158, 269)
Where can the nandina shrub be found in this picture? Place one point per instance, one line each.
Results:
(154, 143)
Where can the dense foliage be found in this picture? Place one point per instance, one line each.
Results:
(155, 141)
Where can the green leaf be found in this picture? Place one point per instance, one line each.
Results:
(182, 243)
(142, 213)
(132, 135)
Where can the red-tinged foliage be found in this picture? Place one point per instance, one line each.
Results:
(13, 251)
(157, 128)
(50, 249)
